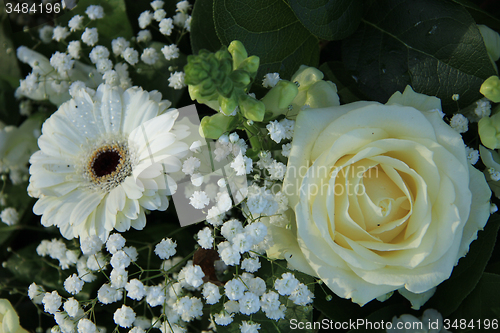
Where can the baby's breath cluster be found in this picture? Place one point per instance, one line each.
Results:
(84, 61)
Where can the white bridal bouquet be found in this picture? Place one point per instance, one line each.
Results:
(249, 166)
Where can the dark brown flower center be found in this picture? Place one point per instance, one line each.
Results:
(107, 166)
(106, 163)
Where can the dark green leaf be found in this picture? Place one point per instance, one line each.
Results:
(330, 20)
(481, 305)
(268, 29)
(337, 308)
(383, 315)
(9, 69)
(467, 273)
(432, 45)
(493, 268)
(8, 106)
(479, 15)
(336, 72)
(343, 310)
(28, 267)
(203, 34)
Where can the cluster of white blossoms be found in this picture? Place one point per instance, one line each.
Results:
(51, 78)
(166, 25)
(270, 80)
(281, 130)
(91, 259)
(248, 294)
(181, 295)
(459, 123)
(9, 216)
(16, 146)
(210, 190)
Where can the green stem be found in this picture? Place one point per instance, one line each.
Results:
(253, 136)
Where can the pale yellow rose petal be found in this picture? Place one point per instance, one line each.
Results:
(344, 224)
(360, 170)
(479, 210)
(311, 240)
(419, 101)
(286, 247)
(397, 121)
(346, 284)
(405, 230)
(416, 280)
(447, 137)
(446, 216)
(10, 320)
(309, 124)
(419, 157)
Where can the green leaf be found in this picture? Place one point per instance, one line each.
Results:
(432, 45)
(203, 34)
(467, 273)
(8, 105)
(479, 15)
(114, 23)
(343, 310)
(347, 88)
(330, 20)
(9, 68)
(28, 267)
(270, 30)
(383, 315)
(480, 305)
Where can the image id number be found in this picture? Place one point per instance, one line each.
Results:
(25, 8)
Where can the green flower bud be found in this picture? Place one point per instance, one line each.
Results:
(240, 78)
(227, 105)
(209, 72)
(251, 108)
(314, 92)
(280, 97)
(250, 65)
(491, 89)
(322, 94)
(489, 131)
(306, 76)
(199, 94)
(238, 52)
(212, 127)
(226, 87)
(491, 40)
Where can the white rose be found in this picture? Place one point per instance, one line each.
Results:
(9, 320)
(383, 196)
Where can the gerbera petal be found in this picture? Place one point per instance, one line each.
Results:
(133, 189)
(151, 203)
(140, 222)
(116, 200)
(137, 108)
(85, 202)
(122, 222)
(131, 209)
(110, 107)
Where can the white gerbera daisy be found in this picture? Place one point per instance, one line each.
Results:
(104, 159)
